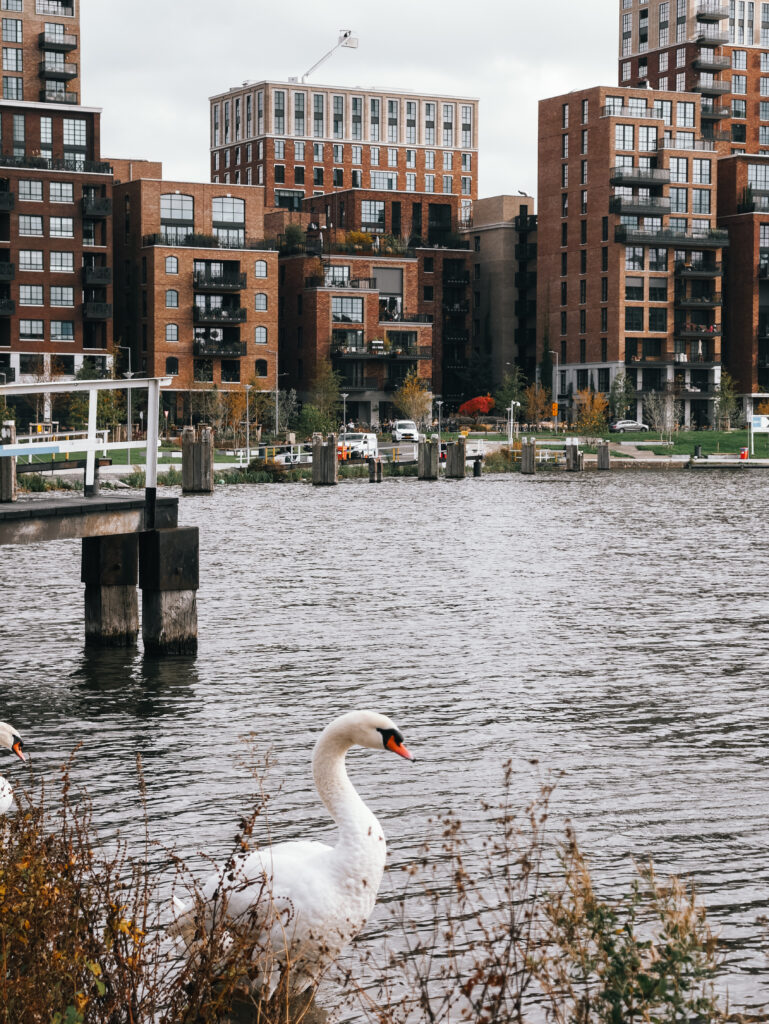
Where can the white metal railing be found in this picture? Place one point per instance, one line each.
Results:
(91, 442)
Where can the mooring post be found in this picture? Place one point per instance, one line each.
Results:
(109, 569)
(456, 459)
(603, 455)
(528, 456)
(8, 465)
(197, 460)
(374, 471)
(169, 579)
(428, 460)
(325, 466)
(478, 466)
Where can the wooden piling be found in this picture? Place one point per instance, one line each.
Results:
(169, 579)
(428, 460)
(197, 460)
(325, 464)
(374, 471)
(574, 459)
(528, 457)
(456, 459)
(109, 569)
(8, 465)
(603, 455)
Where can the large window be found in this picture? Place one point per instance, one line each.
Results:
(260, 268)
(172, 366)
(31, 295)
(172, 299)
(12, 31)
(172, 265)
(30, 330)
(62, 227)
(373, 217)
(384, 181)
(172, 332)
(177, 207)
(260, 368)
(61, 296)
(260, 335)
(346, 310)
(75, 132)
(30, 225)
(61, 192)
(260, 302)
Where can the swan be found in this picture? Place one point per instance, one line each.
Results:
(9, 740)
(305, 900)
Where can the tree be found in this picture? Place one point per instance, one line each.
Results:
(324, 393)
(511, 389)
(621, 395)
(727, 404)
(413, 399)
(592, 407)
(480, 406)
(536, 403)
(662, 411)
(287, 407)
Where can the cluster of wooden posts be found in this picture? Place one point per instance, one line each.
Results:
(325, 465)
(575, 459)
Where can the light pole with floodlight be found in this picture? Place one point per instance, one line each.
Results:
(555, 388)
(440, 406)
(344, 396)
(248, 428)
(511, 434)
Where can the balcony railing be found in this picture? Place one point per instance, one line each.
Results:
(644, 113)
(698, 301)
(44, 164)
(219, 349)
(711, 112)
(526, 251)
(760, 203)
(708, 88)
(57, 71)
(525, 223)
(9, 372)
(97, 277)
(349, 282)
(664, 236)
(637, 205)
(53, 96)
(455, 280)
(236, 315)
(711, 63)
(698, 270)
(97, 311)
(96, 207)
(456, 307)
(7, 202)
(197, 241)
(408, 318)
(375, 350)
(712, 11)
(7, 307)
(717, 37)
(705, 145)
(639, 176)
(687, 329)
(7, 271)
(206, 280)
(60, 42)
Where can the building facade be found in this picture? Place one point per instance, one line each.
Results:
(300, 140)
(629, 256)
(41, 51)
(197, 287)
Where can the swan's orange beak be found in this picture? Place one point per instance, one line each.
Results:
(16, 748)
(399, 749)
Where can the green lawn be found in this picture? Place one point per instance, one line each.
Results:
(713, 442)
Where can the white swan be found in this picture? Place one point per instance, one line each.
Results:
(305, 898)
(9, 740)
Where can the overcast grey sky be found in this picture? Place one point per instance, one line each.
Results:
(152, 64)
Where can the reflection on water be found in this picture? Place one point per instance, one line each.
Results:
(613, 627)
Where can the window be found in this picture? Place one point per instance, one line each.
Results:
(658, 319)
(634, 318)
(12, 59)
(172, 299)
(429, 183)
(62, 262)
(172, 265)
(739, 108)
(62, 330)
(260, 301)
(31, 330)
(372, 215)
(411, 182)
(13, 5)
(172, 332)
(75, 132)
(260, 335)
(317, 175)
(62, 227)
(634, 289)
(318, 115)
(280, 149)
(678, 200)
(634, 257)
(30, 225)
(61, 296)
(172, 366)
(61, 192)
(177, 207)
(346, 310)
(260, 268)
(679, 169)
(658, 288)
(739, 60)
(30, 295)
(12, 32)
(384, 181)
(448, 184)
(701, 201)
(31, 191)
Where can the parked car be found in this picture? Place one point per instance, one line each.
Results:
(405, 430)
(358, 446)
(627, 426)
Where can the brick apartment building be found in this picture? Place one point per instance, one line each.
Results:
(503, 236)
(743, 209)
(197, 287)
(300, 140)
(359, 311)
(715, 48)
(41, 51)
(629, 258)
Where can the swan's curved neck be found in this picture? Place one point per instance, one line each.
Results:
(336, 791)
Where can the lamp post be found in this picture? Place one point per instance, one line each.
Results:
(344, 396)
(555, 388)
(165, 413)
(511, 432)
(248, 428)
(129, 375)
(141, 423)
(440, 406)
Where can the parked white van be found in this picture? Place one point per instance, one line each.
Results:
(358, 446)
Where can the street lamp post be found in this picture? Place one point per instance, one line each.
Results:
(440, 406)
(344, 396)
(165, 413)
(555, 388)
(129, 375)
(248, 428)
(511, 432)
(141, 424)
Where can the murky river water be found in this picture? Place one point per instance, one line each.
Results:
(613, 627)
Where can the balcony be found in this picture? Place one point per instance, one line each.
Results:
(349, 282)
(207, 281)
(58, 42)
(97, 277)
(218, 349)
(96, 207)
(525, 223)
(639, 176)
(699, 301)
(711, 88)
(637, 205)
(703, 145)
(9, 373)
(408, 318)
(44, 164)
(526, 251)
(7, 271)
(7, 307)
(456, 334)
(57, 71)
(51, 96)
(97, 311)
(7, 201)
(754, 204)
(687, 329)
(698, 270)
(664, 236)
(643, 113)
(711, 63)
(201, 315)
(709, 11)
(453, 308)
(376, 350)
(456, 280)
(711, 112)
(366, 384)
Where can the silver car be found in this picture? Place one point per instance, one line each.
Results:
(627, 427)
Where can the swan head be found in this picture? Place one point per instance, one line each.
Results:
(10, 740)
(369, 729)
